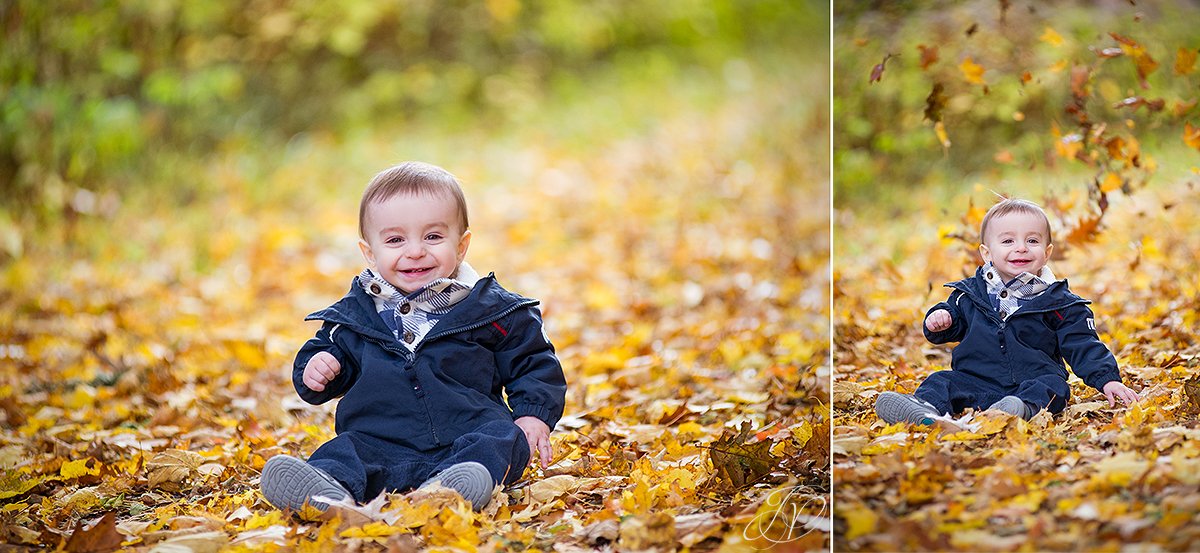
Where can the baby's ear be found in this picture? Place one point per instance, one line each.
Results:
(463, 244)
(366, 252)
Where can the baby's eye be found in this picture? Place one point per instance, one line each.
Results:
(393, 240)
(433, 236)
(1007, 241)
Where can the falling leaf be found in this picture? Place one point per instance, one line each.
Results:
(1079, 80)
(972, 71)
(1111, 182)
(939, 129)
(1185, 61)
(935, 103)
(1181, 107)
(1051, 37)
(1191, 135)
(929, 55)
(1142, 60)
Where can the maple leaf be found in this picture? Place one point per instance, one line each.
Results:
(740, 464)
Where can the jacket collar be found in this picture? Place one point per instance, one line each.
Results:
(357, 309)
(1057, 295)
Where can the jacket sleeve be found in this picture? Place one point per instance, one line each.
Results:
(529, 370)
(958, 322)
(324, 341)
(1081, 347)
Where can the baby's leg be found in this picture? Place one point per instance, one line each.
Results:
(368, 466)
(950, 392)
(500, 446)
(1049, 391)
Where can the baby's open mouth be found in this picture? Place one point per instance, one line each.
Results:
(419, 271)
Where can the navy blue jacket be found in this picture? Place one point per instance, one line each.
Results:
(490, 343)
(1033, 341)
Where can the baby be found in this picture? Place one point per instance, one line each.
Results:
(1014, 323)
(421, 351)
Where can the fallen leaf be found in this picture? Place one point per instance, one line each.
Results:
(100, 535)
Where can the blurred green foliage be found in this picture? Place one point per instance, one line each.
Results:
(886, 147)
(99, 98)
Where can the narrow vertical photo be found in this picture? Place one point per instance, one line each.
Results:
(1014, 300)
(350, 275)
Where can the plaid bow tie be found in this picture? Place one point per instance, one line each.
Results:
(1008, 297)
(411, 316)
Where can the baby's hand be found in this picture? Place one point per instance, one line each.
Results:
(938, 320)
(538, 436)
(320, 370)
(1115, 389)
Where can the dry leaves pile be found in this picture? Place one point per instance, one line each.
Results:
(1093, 478)
(683, 277)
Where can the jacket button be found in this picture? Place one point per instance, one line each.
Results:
(375, 289)
(990, 275)
(409, 337)
(1004, 314)
(1004, 294)
(404, 309)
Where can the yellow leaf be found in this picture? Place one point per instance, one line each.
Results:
(972, 71)
(860, 520)
(377, 529)
(1051, 37)
(75, 469)
(802, 433)
(940, 130)
(1185, 60)
(1111, 182)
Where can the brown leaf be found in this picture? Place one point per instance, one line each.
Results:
(648, 531)
(170, 468)
(740, 464)
(1138, 101)
(929, 55)
(101, 535)
(935, 103)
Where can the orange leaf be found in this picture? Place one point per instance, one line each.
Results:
(1191, 135)
(1111, 182)
(972, 71)
(1185, 60)
(100, 536)
(929, 55)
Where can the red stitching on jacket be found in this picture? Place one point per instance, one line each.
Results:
(1060, 317)
(505, 332)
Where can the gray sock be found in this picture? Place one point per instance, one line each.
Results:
(1014, 406)
(470, 479)
(893, 407)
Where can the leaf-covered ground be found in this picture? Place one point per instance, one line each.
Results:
(145, 352)
(1091, 479)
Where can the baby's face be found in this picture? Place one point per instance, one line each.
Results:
(1016, 243)
(412, 240)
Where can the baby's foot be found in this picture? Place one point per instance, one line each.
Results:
(1014, 406)
(893, 407)
(289, 483)
(470, 479)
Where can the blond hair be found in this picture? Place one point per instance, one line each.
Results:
(1013, 205)
(412, 177)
